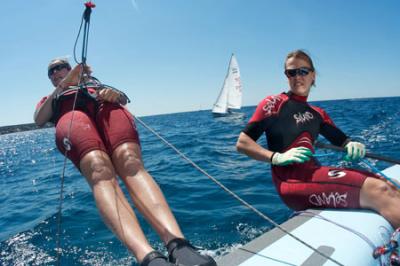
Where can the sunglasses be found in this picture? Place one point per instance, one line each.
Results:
(57, 68)
(302, 71)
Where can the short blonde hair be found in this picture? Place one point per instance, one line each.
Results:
(58, 61)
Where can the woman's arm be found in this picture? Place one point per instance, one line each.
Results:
(44, 112)
(248, 146)
(355, 150)
(112, 96)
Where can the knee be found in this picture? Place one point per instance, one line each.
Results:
(383, 189)
(130, 162)
(101, 170)
(378, 191)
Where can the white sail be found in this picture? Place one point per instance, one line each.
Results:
(221, 105)
(230, 96)
(235, 90)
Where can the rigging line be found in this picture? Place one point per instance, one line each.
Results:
(377, 171)
(86, 16)
(85, 39)
(77, 38)
(242, 201)
(67, 146)
(66, 140)
(59, 213)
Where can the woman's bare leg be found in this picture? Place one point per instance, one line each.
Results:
(112, 203)
(383, 198)
(144, 191)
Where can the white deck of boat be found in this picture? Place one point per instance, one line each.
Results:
(277, 248)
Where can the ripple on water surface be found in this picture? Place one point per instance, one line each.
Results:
(30, 168)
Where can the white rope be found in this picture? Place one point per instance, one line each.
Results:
(245, 203)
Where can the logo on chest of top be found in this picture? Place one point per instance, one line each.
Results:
(303, 117)
(271, 105)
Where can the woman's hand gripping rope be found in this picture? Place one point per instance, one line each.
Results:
(294, 155)
(74, 76)
(367, 155)
(109, 95)
(355, 151)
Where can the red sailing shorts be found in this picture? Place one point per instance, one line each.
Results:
(105, 130)
(320, 186)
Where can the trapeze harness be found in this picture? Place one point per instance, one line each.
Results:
(86, 101)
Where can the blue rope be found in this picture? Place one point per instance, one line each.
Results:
(376, 170)
(323, 154)
(365, 161)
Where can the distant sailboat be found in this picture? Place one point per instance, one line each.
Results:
(230, 97)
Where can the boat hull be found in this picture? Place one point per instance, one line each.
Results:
(229, 113)
(220, 114)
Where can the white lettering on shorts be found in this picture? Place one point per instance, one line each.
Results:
(67, 144)
(334, 199)
(336, 174)
(302, 118)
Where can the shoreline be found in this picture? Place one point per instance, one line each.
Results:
(22, 127)
(32, 126)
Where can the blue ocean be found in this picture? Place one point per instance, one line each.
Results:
(31, 167)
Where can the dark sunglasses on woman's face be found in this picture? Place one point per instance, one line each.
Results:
(302, 71)
(57, 68)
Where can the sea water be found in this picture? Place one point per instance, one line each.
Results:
(31, 166)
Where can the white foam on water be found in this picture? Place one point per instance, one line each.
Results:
(20, 252)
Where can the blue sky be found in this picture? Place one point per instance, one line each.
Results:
(172, 56)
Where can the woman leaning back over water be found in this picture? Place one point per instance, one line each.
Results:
(101, 140)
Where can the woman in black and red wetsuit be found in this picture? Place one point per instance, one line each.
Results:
(101, 138)
(291, 126)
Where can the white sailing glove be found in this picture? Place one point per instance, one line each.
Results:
(355, 151)
(294, 155)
